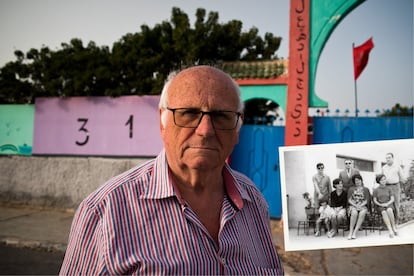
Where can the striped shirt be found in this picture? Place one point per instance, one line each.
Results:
(137, 223)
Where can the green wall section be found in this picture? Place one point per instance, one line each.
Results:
(16, 129)
(276, 93)
(324, 17)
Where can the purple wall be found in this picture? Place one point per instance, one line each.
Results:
(122, 126)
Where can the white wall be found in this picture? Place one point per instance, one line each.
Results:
(61, 182)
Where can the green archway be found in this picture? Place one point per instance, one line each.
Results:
(324, 17)
(275, 93)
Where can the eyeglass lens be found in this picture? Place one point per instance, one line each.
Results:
(191, 118)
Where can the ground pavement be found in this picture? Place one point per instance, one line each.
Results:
(25, 226)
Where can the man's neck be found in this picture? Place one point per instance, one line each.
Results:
(196, 185)
(204, 193)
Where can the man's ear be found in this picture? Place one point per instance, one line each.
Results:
(240, 122)
(161, 122)
(163, 118)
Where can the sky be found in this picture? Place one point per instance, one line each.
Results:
(387, 79)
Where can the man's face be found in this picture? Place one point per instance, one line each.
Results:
(389, 159)
(320, 168)
(203, 147)
(348, 164)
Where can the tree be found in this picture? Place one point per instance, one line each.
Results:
(399, 110)
(137, 63)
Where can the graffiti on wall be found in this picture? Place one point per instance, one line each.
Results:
(16, 129)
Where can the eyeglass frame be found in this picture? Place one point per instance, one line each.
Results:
(173, 110)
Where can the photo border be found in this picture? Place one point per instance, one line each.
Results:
(293, 159)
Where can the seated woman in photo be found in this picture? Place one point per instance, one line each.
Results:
(359, 199)
(384, 204)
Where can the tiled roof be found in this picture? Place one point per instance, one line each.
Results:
(271, 69)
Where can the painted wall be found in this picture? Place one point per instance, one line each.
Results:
(16, 129)
(97, 126)
(351, 129)
(276, 93)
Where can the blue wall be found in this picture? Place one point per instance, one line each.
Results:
(353, 129)
(257, 156)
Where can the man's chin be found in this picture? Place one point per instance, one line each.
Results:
(205, 161)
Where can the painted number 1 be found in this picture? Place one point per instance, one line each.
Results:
(130, 122)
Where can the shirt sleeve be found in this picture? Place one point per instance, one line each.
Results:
(84, 254)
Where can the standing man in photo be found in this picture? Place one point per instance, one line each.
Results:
(395, 178)
(347, 174)
(321, 184)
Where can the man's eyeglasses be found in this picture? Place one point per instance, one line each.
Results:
(191, 118)
(320, 168)
(348, 163)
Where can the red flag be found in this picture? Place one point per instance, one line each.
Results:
(361, 54)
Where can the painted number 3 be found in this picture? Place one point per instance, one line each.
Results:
(85, 131)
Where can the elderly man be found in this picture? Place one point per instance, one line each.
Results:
(186, 212)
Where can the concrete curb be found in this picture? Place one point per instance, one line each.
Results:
(48, 246)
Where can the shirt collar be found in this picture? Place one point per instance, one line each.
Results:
(161, 175)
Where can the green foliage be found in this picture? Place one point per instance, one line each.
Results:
(398, 110)
(137, 64)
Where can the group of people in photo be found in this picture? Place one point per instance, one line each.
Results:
(349, 202)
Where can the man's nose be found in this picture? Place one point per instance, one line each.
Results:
(205, 127)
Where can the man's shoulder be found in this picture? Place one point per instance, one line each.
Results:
(245, 184)
(243, 180)
(134, 176)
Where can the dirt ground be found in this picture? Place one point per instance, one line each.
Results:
(374, 260)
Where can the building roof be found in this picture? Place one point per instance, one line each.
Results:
(270, 69)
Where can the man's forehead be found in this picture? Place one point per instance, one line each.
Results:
(202, 86)
(195, 80)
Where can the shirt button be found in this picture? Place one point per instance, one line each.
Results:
(223, 261)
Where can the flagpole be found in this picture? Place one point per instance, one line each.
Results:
(356, 101)
(355, 89)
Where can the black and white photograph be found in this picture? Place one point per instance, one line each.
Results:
(343, 195)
